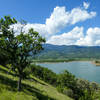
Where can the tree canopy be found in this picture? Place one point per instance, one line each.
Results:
(17, 48)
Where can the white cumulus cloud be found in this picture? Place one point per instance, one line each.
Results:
(86, 5)
(77, 37)
(78, 15)
(69, 38)
(92, 37)
(59, 19)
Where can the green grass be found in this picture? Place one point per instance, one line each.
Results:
(33, 88)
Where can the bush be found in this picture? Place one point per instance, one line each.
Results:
(68, 92)
(87, 96)
(44, 73)
(66, 79)
(67, 83)
(59, 88)
(79, 89)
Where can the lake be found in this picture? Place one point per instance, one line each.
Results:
(81, 69)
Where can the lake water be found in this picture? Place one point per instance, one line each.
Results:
(81, 69)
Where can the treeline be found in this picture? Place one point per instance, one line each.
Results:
(60, 60)
(53, 60)
(67, 83)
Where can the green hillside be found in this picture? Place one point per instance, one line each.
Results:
(33, 88)
(69, 52)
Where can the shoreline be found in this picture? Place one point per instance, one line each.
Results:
(68, 60)
(97, 63)
(59, 61)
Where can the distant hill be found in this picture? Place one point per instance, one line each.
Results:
(69, 52)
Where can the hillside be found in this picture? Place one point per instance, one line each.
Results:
(69, 52)
(33, 88)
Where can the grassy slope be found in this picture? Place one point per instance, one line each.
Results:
(33, 88)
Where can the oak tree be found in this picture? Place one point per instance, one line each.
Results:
(20, 47)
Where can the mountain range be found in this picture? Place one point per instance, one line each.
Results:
(69, 52)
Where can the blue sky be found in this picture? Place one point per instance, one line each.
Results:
(61, 30)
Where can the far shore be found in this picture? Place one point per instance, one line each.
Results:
(60, 60)
(93, 61)
(96, 62)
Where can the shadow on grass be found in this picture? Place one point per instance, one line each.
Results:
(12, 86)
(5, 71)
(34, 80)
(37, 92)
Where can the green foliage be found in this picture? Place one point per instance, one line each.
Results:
(4, 51)
(87, 96)
(33, 88)
(68, 92)
(44, 74)
(18, 47)
(79, 89)
(7, 21)
(59, 88)
(67, 83)
(66, 79)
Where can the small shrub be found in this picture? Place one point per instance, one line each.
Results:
(68, 92)
(45, 74)
(60, 88)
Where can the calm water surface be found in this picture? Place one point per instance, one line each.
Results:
(81, 69)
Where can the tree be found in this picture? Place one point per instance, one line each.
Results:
(4, 26)
(20, 47)
(66, 79)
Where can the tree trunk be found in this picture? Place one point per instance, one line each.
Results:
(19, 83)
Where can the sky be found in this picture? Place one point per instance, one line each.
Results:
(61, 22)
